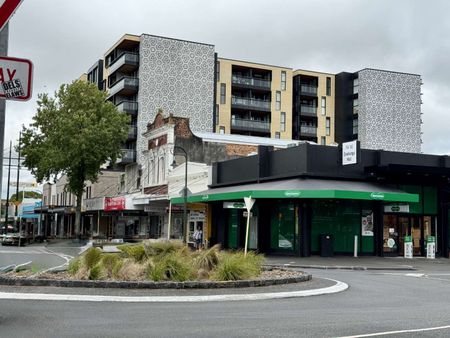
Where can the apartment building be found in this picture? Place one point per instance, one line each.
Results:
(145, 73)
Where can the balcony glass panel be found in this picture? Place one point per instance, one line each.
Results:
(128, 58)
(248, 102)
(250, 81)
(308, 129)
(250, 124)
(128, 106)
(308, 89)
(308, 109)
(126, 82)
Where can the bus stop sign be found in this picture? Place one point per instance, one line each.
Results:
(15, 78)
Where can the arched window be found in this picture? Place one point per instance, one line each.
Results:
(162, 169)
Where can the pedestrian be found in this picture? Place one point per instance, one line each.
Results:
(198, 234)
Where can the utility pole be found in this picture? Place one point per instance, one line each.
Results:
(7, 188)
(17, 184)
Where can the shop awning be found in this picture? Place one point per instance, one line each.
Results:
(304, 188)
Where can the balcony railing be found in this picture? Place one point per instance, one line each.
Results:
(309, 89)
(132, 132)
(250, 81)
(125, 85)
(126, 60)
(308, 129)
(250, 103)
(253, 125)
(129, 156)
(308, 109)
(130, 107)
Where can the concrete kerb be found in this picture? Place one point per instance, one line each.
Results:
(342, 267)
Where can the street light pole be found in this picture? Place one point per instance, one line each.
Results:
(185, 155)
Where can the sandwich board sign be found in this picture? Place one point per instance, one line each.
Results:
(16, 77)
(7, 9)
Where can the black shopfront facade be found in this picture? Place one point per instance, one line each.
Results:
(304, 193)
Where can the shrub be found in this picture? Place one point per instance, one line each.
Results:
(237, 266)
(161, 249)
(74, 266)
(137, 252)
(96, 272)
(175, 266)
(207, 259)
(92, 257)
(130, 270)
(111, 263)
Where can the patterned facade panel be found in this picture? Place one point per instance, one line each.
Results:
(177, 76)
(389, 111)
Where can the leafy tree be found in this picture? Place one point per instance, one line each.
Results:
(73, 133)
(26, 194)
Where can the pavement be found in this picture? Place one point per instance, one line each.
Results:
(358, 263)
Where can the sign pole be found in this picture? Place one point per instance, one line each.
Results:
(248, 205)
(3, 52)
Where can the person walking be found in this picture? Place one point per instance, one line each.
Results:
(198, 237)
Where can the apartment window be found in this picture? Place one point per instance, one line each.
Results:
(283, 121)
(327, 126)
(223, 90)
(355, 106)
(278, 101)
(355, 126)
(324, 105)
(328, 86)
(218, 71)
(323, 140)
(222, 130)
(283, 80)
(216, 118)
(355, 86)
(277, 134)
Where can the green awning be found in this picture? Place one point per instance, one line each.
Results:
(304, 188)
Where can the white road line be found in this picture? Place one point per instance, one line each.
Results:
(397, 332)
(30, 252)
(338, 287)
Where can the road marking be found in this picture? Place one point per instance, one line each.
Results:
(338, 287)
(397, 332)
(417, 275)
(31, 252)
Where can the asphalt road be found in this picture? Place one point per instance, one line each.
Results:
(41, 257)
(375, 302)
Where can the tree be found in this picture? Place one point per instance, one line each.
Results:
(25, 194)
(73, 133)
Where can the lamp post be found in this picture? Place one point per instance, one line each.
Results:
(174, 163)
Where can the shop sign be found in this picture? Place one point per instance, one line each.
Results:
(377, 196)
(397, 208)
(408, 247)
(292, 193)
(195, 216)
(156, 209)
(234, 205)
(431, 247)
(94, 204)
(114, 203)
(366, 223)
(349, 152)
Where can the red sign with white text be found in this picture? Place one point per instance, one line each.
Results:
(7, 9)
(114, 203)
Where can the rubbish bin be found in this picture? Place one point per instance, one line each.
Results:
(326, 245)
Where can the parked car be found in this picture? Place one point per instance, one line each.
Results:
(14, 238)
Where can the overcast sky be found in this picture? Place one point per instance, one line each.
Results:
(63, 38)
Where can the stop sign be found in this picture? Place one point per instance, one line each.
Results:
(7, 9)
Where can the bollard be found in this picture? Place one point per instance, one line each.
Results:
(355, 248)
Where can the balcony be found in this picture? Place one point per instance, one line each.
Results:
(308, 130)
(306, 89)
(129, 156)
(249, 103)
(132, 132)
(308, 110)
(251, 82)
(126, 62)
(250, 125)
(129, 107)
(126, 85)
